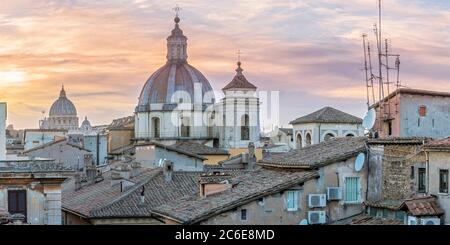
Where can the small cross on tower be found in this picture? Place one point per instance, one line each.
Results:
(177, 10)
(239, 55)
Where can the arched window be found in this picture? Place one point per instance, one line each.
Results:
(308, 139)
(245, 129)
(299, 141)
(156, 127)
(329, 136)
(185, 127)
(349, 135)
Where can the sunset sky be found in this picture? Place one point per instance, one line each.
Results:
(310, 50)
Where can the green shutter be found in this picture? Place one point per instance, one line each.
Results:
(351, 189)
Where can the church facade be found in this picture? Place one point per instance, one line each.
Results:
(178, 103)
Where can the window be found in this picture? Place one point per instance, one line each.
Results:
(328, 136)
(261, 201)
(432, 122)
(443, 181)
(412, 172)
(299, 141)
(245, 129)
(185, 127)
(389, 128)
(308, 139)
(17, 202)
(243, 214)
(400, 215)
(385, 213)
(292, 200)
(418, 122)
(422, 111)
(352, 189)
(421, 183)
(372, 211)
(156, 127)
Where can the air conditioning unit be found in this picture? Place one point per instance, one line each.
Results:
(334, 193)
(317, 200)
(317, 217)
(430, 221)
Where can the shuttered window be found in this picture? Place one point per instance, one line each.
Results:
(352, 189)
(292, 200)
(17, 202)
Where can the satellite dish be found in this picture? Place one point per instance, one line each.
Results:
(359, 162)
(369, 119)
(303, 222)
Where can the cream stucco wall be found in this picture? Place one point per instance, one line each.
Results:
(438, 161)
(238, 151)
(318, 131)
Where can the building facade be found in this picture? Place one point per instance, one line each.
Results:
(32, 190)
(324, 124)
(62, 152)
(413, 113)
(37, 137)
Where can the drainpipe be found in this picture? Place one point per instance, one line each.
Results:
(368, 171)
(427, 162)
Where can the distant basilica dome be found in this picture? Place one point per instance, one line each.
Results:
(62, 114)
(63, 106)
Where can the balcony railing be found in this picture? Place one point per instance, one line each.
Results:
(32, 166)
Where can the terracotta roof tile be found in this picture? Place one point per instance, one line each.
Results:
(332, 150)
(328, 115)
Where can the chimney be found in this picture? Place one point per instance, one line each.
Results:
(214, 182)
(3, 115)
(77, 179)
(88, 160)
(251, 156)
(142, 195)
(168, 170)
(115, 178)
(124, 171)
(91, 173)
(135, 169)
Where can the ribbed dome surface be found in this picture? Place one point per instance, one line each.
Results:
(172, 78)
(63, 106)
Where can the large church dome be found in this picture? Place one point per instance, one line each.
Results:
(176, 79)
(63, 106)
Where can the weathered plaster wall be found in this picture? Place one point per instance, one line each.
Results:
(68, 155)
(390, 171)
(438, 161)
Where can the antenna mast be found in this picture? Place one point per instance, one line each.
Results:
(366, 69)
(371, 72)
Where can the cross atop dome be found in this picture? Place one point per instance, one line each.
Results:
(63, 92)
(177, 42)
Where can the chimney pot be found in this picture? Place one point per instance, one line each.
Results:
(168, 170)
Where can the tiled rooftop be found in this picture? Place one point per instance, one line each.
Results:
(330, 151)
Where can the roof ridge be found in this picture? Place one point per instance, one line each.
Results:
(238, 201)
(123, 195)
